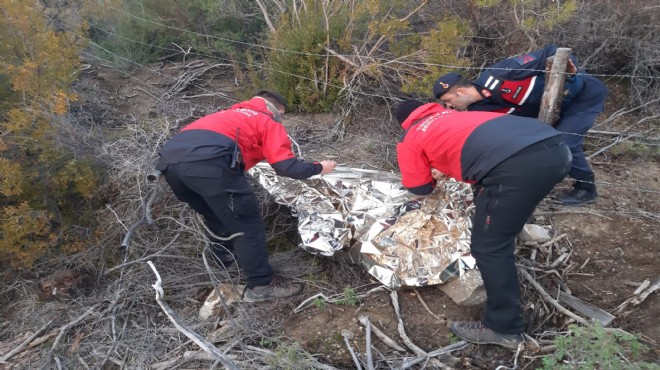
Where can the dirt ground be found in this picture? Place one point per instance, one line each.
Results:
(615, 244)
(618, 244)
(615, 241)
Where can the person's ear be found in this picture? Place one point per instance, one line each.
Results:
(277, 116)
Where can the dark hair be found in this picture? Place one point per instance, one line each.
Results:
(273, 97)
(405, 109)
(463, 82)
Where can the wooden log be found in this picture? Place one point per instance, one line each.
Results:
(553, 94)
(586, 308)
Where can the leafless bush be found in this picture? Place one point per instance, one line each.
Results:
(119, 321)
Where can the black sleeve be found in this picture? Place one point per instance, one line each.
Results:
(296, 169)
(423, 189)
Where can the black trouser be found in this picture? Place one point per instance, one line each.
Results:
(506, 197)
(226, 200)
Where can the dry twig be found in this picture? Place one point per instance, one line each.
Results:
(364, 320)
(551, 300)
(347, 336)
(25, 343)
(640, 294)
(419, 296)
(402, 329)
(198, 339)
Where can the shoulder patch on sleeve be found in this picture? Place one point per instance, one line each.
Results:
(524, 59)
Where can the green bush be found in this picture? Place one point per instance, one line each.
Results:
(296, 66)
(328, 52)
(148, 30)
(291, 356)
(319, 303)
(594, 347)
(636, 150)
(350, 298)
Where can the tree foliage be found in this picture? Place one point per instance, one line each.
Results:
(324, 54)
(150, 30)
(39, 64)
(327, 52)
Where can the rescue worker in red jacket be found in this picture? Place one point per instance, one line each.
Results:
(515, 86)
(204, 165)
(513, 163)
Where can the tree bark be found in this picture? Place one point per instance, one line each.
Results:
(266, 17)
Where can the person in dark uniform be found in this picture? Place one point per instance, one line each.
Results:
(515, 86)
(513, 163)
(204, 164)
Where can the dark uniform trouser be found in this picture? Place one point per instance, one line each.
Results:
(576, 119)
(506, 197)
(205, 186)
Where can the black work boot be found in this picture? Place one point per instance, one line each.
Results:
(477, 333)
(583, 192)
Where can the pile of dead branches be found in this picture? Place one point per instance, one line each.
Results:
(543, 268)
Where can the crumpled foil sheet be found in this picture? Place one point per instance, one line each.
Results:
(368, 217)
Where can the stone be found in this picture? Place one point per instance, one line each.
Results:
(532, 233)
(467, 290)
(213, 305)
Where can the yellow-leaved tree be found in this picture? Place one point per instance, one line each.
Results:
(37, 66)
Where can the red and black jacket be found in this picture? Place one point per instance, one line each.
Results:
(461, 145)
(259, 137)
(515, 85)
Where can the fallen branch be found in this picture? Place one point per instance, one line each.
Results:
(304, 304)
(561, 259)
(441, 351)
(615, 142)
(347, 336)
(427, 307)
(573, 212)
(402, 333)
(198, 339)
(640, 294)
(63, 330)
(192, 72)
(144, 259)
(370, 359)
(211, 233)
(364, 320)
(551, 300)
(515, 360)
(25, 342)
(307, 302)
(402, 329)
(316, 364)
(553, 241)
(621, 112)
